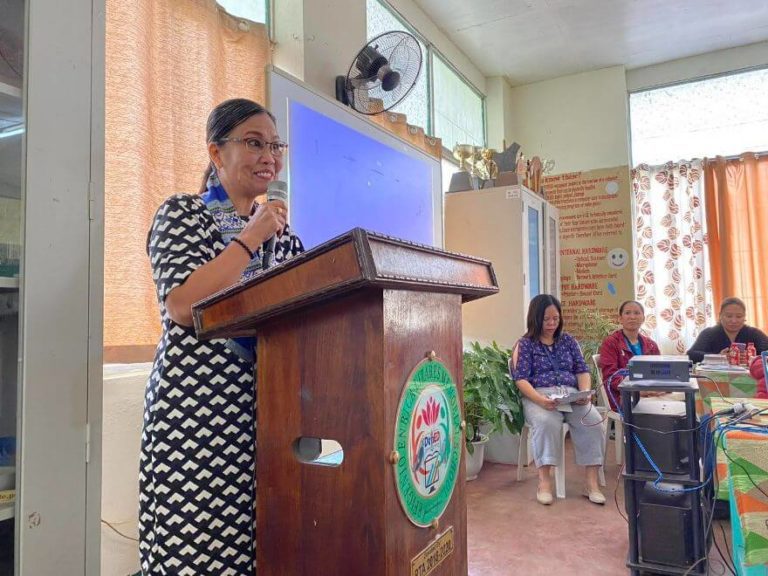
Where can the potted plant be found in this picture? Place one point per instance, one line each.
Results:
(593, 328)
(491, 400)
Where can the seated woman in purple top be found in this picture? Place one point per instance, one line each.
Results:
(548, 361)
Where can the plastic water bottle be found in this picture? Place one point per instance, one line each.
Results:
(751, 352)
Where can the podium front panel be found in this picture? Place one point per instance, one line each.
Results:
(337, 372)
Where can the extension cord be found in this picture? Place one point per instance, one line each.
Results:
(741, 407)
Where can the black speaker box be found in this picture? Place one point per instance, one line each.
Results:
(668, 450)
(665, 526)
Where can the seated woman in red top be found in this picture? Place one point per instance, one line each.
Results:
(619, 347)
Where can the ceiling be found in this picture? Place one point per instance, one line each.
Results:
(532, 40)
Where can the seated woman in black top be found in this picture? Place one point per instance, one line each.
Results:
(730, 328)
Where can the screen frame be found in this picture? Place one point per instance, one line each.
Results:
(282, 89)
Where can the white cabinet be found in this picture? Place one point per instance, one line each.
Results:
(517, 231)
(51, 239)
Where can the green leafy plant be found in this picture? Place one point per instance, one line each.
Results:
(490, 394)
(594, 328)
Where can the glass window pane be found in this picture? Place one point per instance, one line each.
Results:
(718, 116)
(534, 251)
(253, 10)
(458, 108)
(12, 30)
(416, 105)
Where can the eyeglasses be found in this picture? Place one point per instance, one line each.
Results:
(276, 148)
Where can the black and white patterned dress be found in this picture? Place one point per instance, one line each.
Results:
(197, 470)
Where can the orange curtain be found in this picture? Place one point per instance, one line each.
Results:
(736, 193)
(168, 63)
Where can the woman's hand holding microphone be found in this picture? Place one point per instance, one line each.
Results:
(268, 220)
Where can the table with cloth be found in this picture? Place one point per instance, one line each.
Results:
(743, 479)
(733, 383)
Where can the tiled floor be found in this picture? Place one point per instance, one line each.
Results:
(510, 534)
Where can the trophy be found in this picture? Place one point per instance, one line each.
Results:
(487, 168)
(474, 171)
(547, 168)
(461, 180)
(462, 153)
(535, 169)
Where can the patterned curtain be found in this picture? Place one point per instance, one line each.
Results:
(672, 280)
(168, 63)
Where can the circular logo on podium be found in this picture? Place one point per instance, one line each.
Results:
(428, 441)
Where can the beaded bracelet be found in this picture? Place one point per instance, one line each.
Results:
(251, 254)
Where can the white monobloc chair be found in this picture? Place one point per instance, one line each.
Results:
(612, 415)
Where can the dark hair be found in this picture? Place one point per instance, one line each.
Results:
(536, 310)
(225, 118)
(627, 302)
(733, 301)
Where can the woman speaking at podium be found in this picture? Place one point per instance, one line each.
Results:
(197, 470)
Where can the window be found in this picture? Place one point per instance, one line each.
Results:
(457, 115)
(722, 116)
(416, 104)
(458, 107)
(253, 10)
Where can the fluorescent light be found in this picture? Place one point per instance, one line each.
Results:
(14, 131)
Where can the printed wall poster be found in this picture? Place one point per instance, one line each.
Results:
(595, 241)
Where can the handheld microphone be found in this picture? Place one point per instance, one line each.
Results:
(276, 190)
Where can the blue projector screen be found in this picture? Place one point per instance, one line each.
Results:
(342, 179)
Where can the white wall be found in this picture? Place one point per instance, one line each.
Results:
(335, 31)
(316, 40)
(288, 30)
(498, 116)
(710, 64)
(123, 404)
(580, 120)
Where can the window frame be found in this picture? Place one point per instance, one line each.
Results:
(426, 62)
(432, 53)
(676, 83)
(268, 11)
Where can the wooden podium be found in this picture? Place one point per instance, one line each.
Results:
(359, 341)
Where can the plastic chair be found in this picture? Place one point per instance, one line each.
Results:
(612, 415)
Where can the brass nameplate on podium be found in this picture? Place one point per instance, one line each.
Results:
(431, 557)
